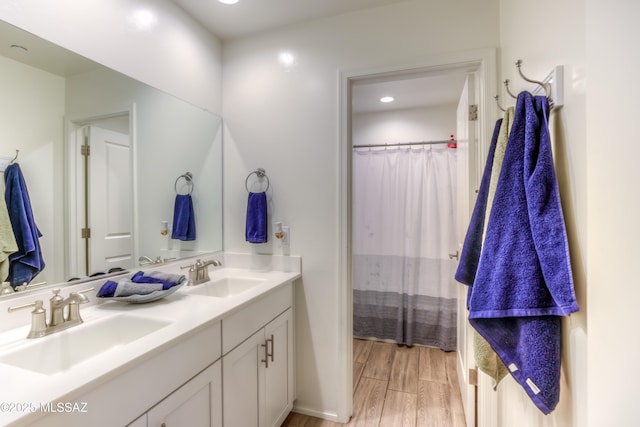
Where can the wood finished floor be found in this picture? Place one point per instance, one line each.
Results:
(398, 386)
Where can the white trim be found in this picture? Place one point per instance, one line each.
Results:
(481, 60)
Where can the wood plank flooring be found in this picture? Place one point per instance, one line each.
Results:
(398, 386)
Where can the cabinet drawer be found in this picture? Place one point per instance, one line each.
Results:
(245, 322)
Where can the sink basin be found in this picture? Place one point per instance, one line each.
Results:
(61, 351)
(226, 287)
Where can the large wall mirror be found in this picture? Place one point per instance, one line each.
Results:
(113, 208)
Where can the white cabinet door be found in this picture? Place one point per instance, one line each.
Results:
(279, 373)
(242, 380)
(257, 377)
(198, 403)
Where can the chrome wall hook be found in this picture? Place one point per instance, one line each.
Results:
(497, 98)
(545, 86)
(506, 86)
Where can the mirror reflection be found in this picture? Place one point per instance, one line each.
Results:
(107, 161)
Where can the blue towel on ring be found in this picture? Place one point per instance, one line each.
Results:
(184, 221)
(256, 224)
(524, 281)
(27, 262)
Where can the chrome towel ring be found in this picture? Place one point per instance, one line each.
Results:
(260, 173)
(188, 177)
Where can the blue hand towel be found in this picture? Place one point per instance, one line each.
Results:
(256, 224)
(108, 289)
(27, 262)
(167, 280)
(524, 280)
(472, 247)
(184, 221)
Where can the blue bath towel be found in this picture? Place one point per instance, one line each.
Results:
(256, 224)
(472, 247)
(184, 220)
(27, 262)
(524, 280)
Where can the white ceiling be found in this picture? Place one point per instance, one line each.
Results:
(252, 16)
(421, 90)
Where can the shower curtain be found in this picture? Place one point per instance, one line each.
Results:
(403, 231)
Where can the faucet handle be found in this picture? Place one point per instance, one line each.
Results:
(192, 273)
(75, 299)
(38, 318)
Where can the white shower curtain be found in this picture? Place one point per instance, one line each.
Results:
(403, 232)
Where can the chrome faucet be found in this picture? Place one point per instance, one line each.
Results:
(199, 272)
(58, 321)
(145, 260)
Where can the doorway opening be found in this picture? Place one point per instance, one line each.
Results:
(479, 64)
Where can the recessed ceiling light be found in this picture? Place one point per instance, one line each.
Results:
(287, 59)
(386, 99)
(228, 1)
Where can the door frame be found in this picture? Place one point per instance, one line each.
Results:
(73, 122)
(484, 62)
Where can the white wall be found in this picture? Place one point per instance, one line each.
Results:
(286, 121)
(33, 96)
(406, 125)
(174, 54)
(613, 208)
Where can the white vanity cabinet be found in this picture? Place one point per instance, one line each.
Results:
(257, 373)
(229, 363)
(198, 403)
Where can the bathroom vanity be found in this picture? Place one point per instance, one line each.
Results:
(216, 354)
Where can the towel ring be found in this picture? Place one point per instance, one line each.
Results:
(260, 173)
(188, 177)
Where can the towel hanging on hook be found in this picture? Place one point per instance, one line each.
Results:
(6, 161)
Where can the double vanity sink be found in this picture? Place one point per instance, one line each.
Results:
(116, 337)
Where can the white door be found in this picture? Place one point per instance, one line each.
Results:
(110, 210)
(467, 172)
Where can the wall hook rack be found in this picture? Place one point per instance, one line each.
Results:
(552, 86)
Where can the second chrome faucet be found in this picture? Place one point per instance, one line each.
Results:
(199, 272)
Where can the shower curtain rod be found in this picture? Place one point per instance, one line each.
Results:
(397, 144)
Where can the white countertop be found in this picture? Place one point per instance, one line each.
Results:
(187, 313)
